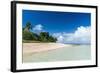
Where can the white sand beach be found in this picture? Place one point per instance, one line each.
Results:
(39, 47)
(47, 52)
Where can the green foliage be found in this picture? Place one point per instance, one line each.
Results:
(35, 36)
(28, 26)
(27, 35)
(45, 37)
(52, 39)
(42, 37)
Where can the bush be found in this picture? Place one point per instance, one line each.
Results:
(43, 37)
(52, 39)
(27, 35)
(30, 36)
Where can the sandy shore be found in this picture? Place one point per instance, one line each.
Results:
(39, 47)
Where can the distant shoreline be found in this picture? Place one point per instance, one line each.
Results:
(78, 43)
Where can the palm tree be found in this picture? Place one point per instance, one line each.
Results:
(27, 34)
(44, 36)
(28, 26)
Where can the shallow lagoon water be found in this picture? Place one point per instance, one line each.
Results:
(75, 52)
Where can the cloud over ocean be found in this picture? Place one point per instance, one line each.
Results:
(81, 36)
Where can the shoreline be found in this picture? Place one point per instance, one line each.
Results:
(40, 47)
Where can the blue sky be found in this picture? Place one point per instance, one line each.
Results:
(60, 24)
(56, 21)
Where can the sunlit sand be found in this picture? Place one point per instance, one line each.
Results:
(39, 47)
(47, 52)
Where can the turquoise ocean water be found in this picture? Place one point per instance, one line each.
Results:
(75, 52)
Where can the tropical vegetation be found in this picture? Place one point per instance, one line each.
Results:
(32, 36)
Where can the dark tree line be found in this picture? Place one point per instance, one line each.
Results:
(42, 37)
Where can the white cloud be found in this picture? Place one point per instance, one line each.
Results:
(81, 35)
(38, 28)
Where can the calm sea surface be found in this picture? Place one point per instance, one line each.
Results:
(75, 52)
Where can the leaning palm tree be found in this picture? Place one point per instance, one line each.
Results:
(28, 26)
(27, 34)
